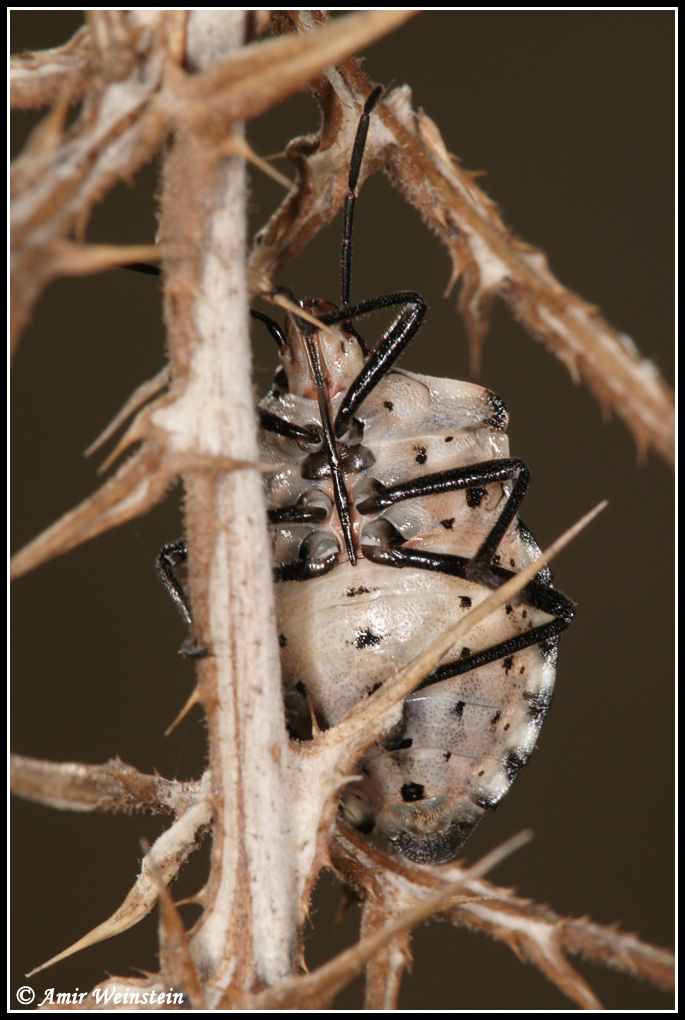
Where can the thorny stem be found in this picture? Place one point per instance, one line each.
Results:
(250, 888)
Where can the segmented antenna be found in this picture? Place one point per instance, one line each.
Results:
(351, 197)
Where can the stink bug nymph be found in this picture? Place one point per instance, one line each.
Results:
(393, 507)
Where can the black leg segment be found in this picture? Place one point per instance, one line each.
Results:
(472, 476)
(536, 594)
(310, 435)
(169, 557)
(387, 351)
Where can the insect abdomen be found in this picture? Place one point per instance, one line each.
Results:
(464, 736)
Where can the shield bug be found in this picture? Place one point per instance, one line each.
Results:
(393, 507)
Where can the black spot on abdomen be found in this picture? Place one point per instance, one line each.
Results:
(537, 705)
(411, 791)
(514, 762)
(367, 639)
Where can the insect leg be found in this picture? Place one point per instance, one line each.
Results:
(272, 326)
(536, 594)
(471, 477)
(319, 554)
(387, 351)
(169, 557)
(308, 434)
(389, 551)
(386, 546)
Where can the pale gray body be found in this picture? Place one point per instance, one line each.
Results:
(463, 739)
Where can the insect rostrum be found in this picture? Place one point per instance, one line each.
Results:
(393, 509)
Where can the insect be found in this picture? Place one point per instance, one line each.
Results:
(393, 508)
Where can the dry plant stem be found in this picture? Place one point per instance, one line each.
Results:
(162, 862)
(385, 971)
(112, 788)
(60, 176)
(37, 79)
(541, 937)
(246, 933)
(175, 958)
(534, 932)
(315, 990)
(496, 263)
(138, 485)
(260, 76)
(140, 396)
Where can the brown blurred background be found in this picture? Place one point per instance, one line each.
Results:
(571, 115)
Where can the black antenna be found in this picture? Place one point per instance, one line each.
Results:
(351, 197)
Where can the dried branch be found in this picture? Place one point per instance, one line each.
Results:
(534, 932)
(493, 262)
(112, 788)
(175, 957)
(312, 990)
(162, 863)
(138, 485)
(60, 176)
(385, 971)
(40, 79)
